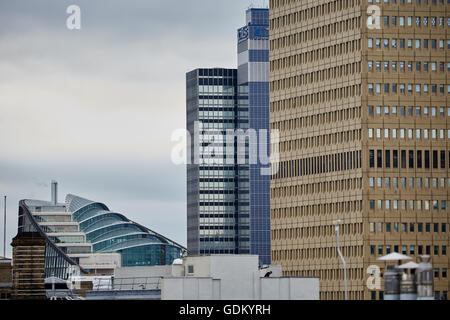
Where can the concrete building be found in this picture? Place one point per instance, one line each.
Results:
(363, 117)
(228, 205)
(212, 277)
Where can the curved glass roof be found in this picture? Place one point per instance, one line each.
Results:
(113, 232)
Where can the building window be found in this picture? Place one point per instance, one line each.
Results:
(379, 159)
(395, 158)
(411, 159)
(436, 272)
(372, 158)
(403, 159)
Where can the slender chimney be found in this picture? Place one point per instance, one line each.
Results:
(54, 192)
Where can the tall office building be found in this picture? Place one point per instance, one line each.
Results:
(362, 112)
(229, 203)
(253, 73)
(217, 191)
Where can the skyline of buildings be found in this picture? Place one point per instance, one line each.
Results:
(363, 116)
(228, 205)
(363, 119)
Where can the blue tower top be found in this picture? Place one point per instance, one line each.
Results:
(257, 16)
(257, 25)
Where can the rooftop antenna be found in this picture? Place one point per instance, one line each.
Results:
(4, 230)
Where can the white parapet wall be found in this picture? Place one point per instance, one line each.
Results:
(289, 289)
(190, 289)
(264, 289)
(220, 277)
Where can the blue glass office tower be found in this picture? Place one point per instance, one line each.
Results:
(253, 72)
(229, 204)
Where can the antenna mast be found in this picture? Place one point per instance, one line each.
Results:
(4, 229)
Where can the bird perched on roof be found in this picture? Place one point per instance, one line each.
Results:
(267, 274)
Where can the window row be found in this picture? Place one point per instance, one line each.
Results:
(313, 209)
(315, 119)
(302, 79)
(317, 54)
(409, 205)
(322, 140)
(311, 120)
(411, 159)
(308, 13)
(402, 43)
(316, 231)
(317, 253)
(417, 66)
(410, 88)
(406, 227)
(410, 182)
(317, 165)
(425, 2)
(327, 30)
(417, 111)
(413, 21)
(321, 96)
(405, 249)
(318, 187)
(392, 133)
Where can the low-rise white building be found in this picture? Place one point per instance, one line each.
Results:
(235, 277)
(214, 277)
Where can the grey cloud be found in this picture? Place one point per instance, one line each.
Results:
(95, 108)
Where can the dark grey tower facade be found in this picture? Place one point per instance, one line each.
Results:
(218, 212)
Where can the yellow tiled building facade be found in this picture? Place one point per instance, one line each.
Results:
(363, 113)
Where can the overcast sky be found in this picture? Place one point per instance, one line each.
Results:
(95, 108)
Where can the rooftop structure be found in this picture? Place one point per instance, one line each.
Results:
(89, 236)
(210, 277)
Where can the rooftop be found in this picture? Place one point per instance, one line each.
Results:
(5, 260)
